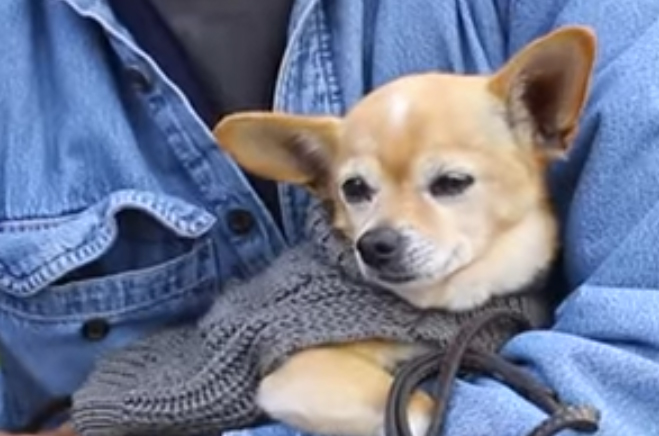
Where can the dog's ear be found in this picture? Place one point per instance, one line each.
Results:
(544, 87)
(281, 147)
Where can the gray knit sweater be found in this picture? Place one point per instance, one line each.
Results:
(202, 378)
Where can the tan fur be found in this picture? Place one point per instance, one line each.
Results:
(502, 130)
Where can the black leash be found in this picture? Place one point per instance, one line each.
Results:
(459, 358)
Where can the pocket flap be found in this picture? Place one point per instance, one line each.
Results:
(35, 253)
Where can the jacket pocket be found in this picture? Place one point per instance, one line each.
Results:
(36, 253)
(75, 287)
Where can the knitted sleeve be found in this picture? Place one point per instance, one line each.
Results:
(199, 378)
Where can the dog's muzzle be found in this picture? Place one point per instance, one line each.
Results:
(381, 248)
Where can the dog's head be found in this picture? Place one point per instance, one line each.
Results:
(429, 172)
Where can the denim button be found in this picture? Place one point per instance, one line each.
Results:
(95, 329)
(139, 79)
(240, 221)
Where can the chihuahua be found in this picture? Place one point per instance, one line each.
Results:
(438, 180)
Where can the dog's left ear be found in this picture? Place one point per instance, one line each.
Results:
(281, 147)
(544, 87)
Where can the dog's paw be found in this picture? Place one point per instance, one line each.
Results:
(419, 423)
(419, 414)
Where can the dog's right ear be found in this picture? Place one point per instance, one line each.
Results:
(285, 148)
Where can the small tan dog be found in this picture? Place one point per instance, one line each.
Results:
(439, 181)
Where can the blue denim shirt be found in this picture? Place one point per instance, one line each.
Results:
(119, 215)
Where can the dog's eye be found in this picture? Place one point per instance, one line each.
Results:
(450, 184)
(356, 190)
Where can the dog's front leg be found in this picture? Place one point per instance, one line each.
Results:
(334, 391)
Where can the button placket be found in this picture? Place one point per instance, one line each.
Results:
(242, 218)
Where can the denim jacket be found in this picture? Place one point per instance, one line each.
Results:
(119, 215)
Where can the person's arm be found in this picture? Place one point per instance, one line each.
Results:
(602, 352)
(604, 347)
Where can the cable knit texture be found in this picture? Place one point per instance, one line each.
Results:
(202, 378)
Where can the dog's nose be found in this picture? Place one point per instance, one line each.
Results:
(380, 247)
